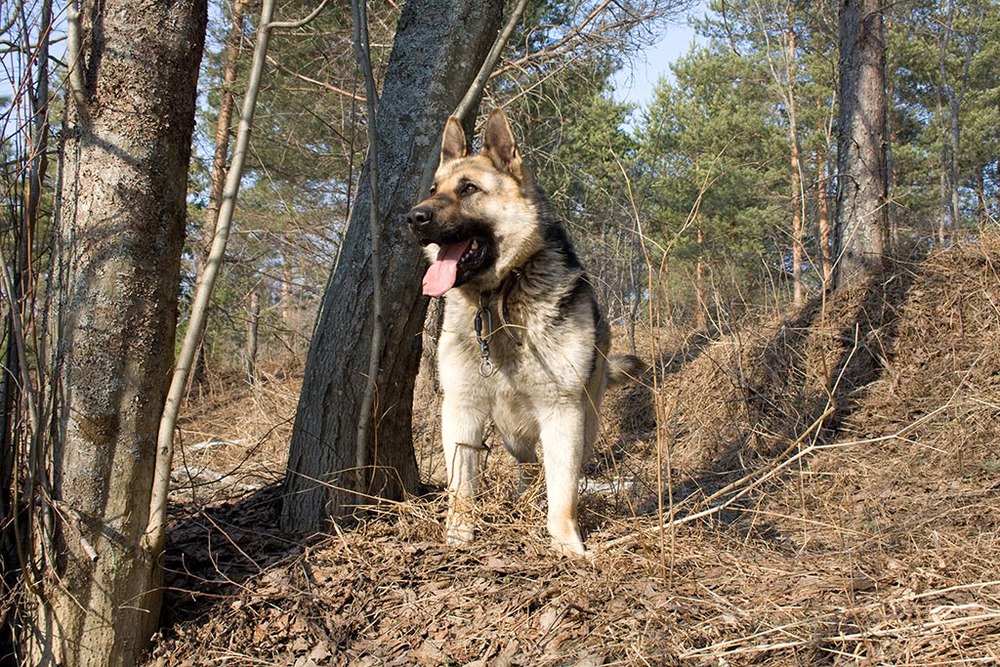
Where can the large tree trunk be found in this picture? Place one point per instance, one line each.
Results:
(127, 145)
(437, 52)
(861, 145)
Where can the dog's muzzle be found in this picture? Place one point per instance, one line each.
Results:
(419, 219)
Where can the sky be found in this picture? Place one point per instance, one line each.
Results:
(635, 83)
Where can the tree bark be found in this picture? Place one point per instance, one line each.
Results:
(981, 197)
(127, 145)
(438, 48)
(223, 128)
(253, 326)
(943, 93)
(890, 162)
(861, 146)
(956, 95)
(699, 285)
(37, 80)
(823, 215)
(798, 195)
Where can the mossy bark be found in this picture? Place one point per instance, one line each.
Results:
(126, 148)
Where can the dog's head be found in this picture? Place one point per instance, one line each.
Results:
(479, 220)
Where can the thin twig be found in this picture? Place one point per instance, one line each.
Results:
(288, 25)
(359, 11)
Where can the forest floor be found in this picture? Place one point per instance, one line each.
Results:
(833, 478)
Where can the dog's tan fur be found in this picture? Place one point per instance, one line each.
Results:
(549, 340)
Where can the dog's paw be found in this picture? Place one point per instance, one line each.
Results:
(458, 533)
(574, 549)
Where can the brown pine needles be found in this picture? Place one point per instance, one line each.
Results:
(841, 463)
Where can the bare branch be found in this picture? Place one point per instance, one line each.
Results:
(288, 25)
(15, 14)
(359, 10)
(315, 82)
(475, 91)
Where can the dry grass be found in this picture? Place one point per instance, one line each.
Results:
(234, 436)
(833, 499)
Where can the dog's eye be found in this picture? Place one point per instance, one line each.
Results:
(433, 190)
(468, 189)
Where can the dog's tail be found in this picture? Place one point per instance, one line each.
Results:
(624, 368)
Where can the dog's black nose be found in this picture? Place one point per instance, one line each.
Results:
(419, 217)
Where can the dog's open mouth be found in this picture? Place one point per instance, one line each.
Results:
(456, 263)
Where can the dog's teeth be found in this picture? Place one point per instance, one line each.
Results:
(474, 245)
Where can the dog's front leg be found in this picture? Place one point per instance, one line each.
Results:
(562, 435)
(462, 431)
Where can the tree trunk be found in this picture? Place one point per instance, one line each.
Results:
(220, 163)
(127, 144)
(862, 181)
(943, 94)
(945, 206)
(823, 178)
(699, 285)
(798, 248)
(11, 386)
(287, 281)
(438, 48)
(253, 325)
(890, 163)
(955, 125)
(981, 197)
(798, 195)
(223, 128)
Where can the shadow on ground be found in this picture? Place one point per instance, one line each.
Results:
(212, 550)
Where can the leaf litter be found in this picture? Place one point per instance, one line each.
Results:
(822, 488)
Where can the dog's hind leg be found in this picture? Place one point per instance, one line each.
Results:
(462, 430)
(523, 451)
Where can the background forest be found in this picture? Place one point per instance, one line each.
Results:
(729, 168)
(707, 219)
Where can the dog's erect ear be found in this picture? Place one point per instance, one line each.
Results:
(453, 142)
(499, 145)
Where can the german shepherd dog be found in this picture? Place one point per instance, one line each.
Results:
(524, 342)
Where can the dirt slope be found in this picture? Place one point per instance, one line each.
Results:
(835, 480)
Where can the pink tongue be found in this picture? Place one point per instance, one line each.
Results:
(441, 276)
